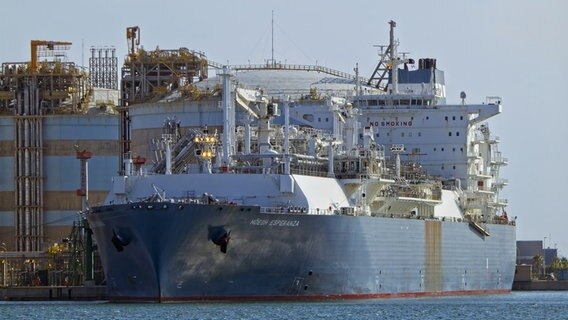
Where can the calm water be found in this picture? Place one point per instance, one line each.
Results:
(518, 305)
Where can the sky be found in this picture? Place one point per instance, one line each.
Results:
(515, 49)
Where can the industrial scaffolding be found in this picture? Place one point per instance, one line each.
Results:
(103, 68)
(29, 91)
(149, 75)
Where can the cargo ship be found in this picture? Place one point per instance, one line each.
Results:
(394, 194)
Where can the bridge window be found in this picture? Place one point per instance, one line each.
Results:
(450, 133)
(457, 133)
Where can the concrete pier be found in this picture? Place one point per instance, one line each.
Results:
(540, 285)
(53, 293)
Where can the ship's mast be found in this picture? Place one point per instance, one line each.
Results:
(393, 58)
(389, 62)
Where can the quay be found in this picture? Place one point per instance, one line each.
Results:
(540, 285)
(526, 280)
(53, 293)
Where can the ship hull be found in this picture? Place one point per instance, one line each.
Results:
(163, 252)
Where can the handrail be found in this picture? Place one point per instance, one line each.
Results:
(283, 66)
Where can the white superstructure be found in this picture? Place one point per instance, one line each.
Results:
(452, 142)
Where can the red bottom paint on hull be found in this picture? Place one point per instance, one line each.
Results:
(313, 297)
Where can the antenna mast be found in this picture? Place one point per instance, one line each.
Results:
(273, 63)
(389, 62)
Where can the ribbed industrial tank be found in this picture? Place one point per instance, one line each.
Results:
(63, 135)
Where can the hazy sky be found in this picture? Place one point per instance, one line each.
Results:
(513, 49)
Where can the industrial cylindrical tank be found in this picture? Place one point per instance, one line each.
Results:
(62, 136)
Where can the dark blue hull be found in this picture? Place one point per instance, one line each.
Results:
(173, 252)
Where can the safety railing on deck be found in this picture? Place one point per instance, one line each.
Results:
(297, 67)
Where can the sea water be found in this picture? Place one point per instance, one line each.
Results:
(517, 305)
